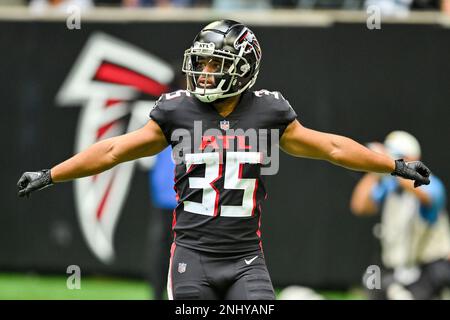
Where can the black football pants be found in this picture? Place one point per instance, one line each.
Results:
(213, 276)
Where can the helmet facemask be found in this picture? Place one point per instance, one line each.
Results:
(226, 70)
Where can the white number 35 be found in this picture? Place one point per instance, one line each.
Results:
(233, 181)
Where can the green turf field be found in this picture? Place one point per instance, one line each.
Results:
(21, 286)
(36, 287)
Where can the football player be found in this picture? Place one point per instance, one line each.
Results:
(221, 133)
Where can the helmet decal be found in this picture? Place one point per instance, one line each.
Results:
(206, 48)
(248, 40)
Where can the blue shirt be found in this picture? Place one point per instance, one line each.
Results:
(161, 180)
(435, 190)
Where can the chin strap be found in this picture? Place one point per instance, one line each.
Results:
(208, 98)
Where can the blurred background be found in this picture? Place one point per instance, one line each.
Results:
(77, 71)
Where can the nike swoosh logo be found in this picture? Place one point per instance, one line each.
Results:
(247, 262)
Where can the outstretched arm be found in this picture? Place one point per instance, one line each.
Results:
(99, 157)
(103, 155)
(303, 142)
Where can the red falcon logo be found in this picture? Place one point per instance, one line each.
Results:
(248, 40)
(105, 80)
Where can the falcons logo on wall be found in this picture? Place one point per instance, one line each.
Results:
(106, 80)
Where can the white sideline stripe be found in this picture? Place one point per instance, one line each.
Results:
(169, 281)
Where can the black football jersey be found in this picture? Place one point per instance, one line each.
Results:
(221, 163)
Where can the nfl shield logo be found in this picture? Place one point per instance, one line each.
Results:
(181, 267)
(224, 125)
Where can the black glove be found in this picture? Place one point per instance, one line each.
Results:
(414, 170)
(32, 181)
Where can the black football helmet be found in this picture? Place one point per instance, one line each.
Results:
(235, 53)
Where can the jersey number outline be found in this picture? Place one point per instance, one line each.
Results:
(232, 181)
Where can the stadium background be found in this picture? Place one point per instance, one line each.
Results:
(339, 76)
